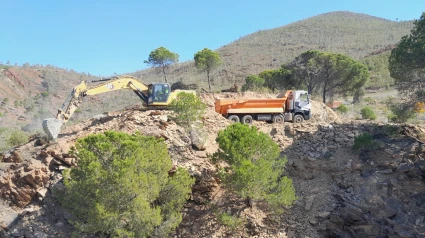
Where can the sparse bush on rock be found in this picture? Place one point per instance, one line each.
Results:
(17, 138)
(364, 142)
(230, 221)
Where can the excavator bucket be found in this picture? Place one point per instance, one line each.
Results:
(52, 127)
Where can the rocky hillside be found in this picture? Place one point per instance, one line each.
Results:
(30, 93)
(342, 192)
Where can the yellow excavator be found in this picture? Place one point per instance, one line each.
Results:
(153, 96)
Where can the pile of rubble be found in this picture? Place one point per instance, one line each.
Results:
(347, 193)
(30, 171)
(342, 193)
(23, 181)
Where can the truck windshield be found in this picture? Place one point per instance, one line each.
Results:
(304, 97)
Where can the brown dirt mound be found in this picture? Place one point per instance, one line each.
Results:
(322, 113)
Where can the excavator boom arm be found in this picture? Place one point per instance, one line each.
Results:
(52, 125)
(118, 83)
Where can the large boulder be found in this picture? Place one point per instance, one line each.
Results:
(199, 138)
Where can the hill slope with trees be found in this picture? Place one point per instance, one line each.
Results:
(354, 34)
(46, 87)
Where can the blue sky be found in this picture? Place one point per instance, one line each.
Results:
(106, 37)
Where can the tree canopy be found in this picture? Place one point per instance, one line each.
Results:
(329, 73)
(256, 168)
(121, 186)
(278, 79)
(318, 72)
(273, 79)
(252, 82)
(378, 68)
(306, 69)
(207, 60)
(407, 62)
(162, 57)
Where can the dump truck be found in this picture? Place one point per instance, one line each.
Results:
(291, 106)
(157, 96)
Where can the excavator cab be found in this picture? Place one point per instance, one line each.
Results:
(158, 92)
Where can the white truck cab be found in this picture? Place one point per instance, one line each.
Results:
(298, 108)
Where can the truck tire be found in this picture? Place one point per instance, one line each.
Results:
(247, 119)
(298, 118)
(278, 118)
(234, 118)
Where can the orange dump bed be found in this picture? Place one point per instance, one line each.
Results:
(251, 105)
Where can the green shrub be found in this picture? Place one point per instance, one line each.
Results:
(368, 113)
(256, 168)
(342, 109)
(122, 188)
(17, 138)
(230, 221)
(188, 109)
(364, 142)
(400, 113)
(44, 94)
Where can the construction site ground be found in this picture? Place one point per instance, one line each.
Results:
(341, 192)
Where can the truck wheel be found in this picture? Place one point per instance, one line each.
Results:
(278, 118)
(234, 118)
(298, 118)
(247, 119)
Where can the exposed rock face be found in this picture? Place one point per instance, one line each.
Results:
(23, 176)
(21, 181)
(376, 193)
